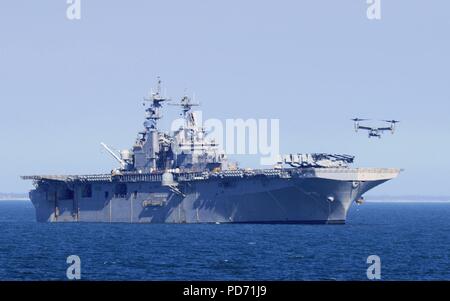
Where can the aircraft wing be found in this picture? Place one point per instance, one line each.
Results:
(365, 128)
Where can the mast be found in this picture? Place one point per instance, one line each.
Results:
(153, 110)
(186, 105)
(152, 115)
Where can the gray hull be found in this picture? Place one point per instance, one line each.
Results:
(240, 200)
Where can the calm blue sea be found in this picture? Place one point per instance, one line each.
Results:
(412, 240)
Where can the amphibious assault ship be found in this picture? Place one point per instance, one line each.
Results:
(184, 177)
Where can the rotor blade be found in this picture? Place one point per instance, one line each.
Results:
(391, 121)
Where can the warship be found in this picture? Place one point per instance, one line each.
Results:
(183, 177)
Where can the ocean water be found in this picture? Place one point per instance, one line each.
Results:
(412, 240)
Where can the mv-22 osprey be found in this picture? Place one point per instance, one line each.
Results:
(375, 131)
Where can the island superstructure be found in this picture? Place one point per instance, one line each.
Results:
(184, 177)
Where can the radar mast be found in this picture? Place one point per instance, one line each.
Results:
(153, 110)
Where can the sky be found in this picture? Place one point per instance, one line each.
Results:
(67, 85)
